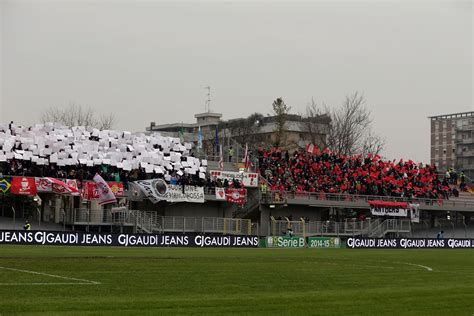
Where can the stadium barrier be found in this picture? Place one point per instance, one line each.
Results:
(358, 243)
(228, 241)
(285, 197)
(300, 242)
(125, 240)
(409, 243)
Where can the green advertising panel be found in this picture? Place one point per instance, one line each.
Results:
(285, 242)
(324, 242)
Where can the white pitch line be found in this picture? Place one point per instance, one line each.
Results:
(80, 281)
(60, 283)
(418, 265)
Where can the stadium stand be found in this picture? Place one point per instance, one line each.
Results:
(328, 172)
(327, 194)
(53, 150)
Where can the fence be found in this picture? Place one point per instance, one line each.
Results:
(151, 222)
(80, 216)
(349, 227)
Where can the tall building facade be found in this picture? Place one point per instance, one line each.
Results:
(452, 142)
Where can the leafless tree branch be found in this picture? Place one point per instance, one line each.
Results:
(76, 115)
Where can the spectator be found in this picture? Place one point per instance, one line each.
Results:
(231, 153)
(327, 172)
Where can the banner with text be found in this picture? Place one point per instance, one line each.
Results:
(248, 179)
(324, 242)
(284, 242)
(124, 240)
(407, 243)
(158, 190)
(382, 208)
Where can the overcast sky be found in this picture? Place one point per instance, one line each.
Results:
(150, 60)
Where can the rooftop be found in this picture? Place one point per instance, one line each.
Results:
(452, 116)
(208, 114)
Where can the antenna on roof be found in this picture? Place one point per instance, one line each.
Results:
(207, 107)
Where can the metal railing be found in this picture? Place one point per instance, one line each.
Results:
(232, 226)
(96, 217)
(151, 222)
(350, 227)
(278, 197)
(391, 226)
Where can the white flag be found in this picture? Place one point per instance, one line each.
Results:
(105, 194)
(246, 158)
(221, 159)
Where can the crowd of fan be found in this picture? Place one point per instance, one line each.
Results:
(83, 173)
(53, 150)
(333, 173)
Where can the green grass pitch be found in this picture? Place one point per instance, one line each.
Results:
(157, 281)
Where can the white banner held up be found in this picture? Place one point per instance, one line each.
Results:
(248, 179)
(384, 208)
(158, 190)
(385, 211)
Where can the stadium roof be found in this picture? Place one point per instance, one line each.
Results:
(452, 116)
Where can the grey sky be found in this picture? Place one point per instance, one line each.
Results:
(149, 60)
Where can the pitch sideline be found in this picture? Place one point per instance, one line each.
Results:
(79, 281)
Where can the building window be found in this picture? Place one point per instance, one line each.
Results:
(454, 150)
(444, 151)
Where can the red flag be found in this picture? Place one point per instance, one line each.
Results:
(60, 187)
(72, 185)
(117, 188)
(236, 196)
(23, 186)
(313, 150)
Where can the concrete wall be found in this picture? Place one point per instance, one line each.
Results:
(208, 209)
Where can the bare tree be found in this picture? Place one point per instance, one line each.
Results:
(373, 144)
(350, 128)
(281, 110)
(106, 121)
(243, 130)
(76, 115)
(316, 123)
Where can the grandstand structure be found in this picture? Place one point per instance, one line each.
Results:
(202, 196)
